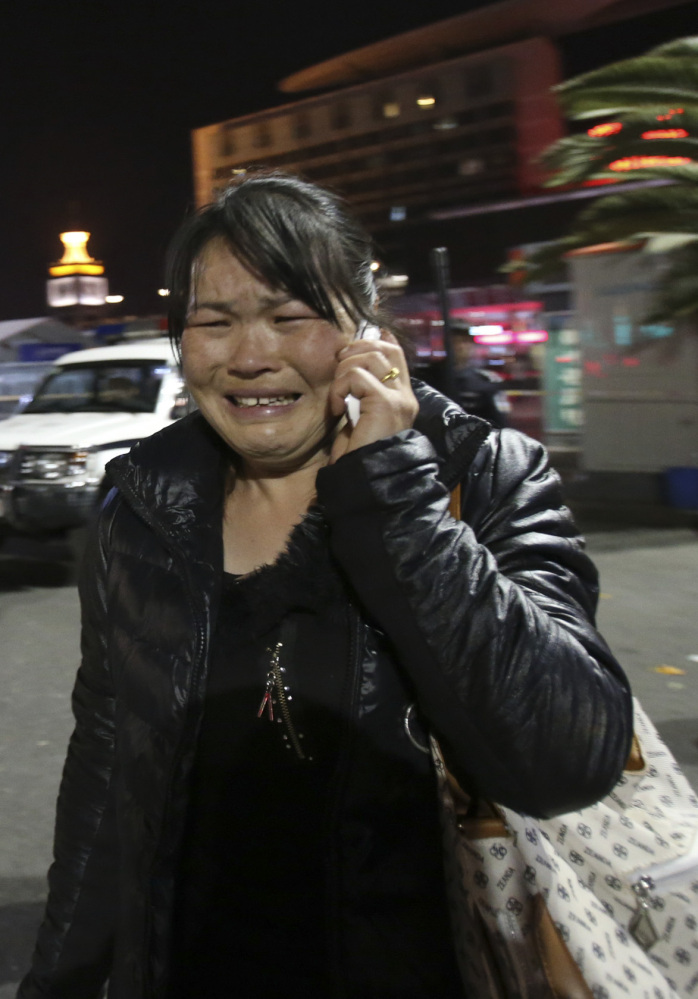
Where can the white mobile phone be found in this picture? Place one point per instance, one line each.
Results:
(365, 331)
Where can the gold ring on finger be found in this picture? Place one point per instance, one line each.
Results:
(393, 373)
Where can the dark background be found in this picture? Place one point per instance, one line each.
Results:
(98, 99)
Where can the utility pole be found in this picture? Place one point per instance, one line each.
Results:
(442, 276)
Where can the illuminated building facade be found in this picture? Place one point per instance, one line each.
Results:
(465, 129)
(433, 136)
(420, 130)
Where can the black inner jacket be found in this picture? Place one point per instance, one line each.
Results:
(251, 903)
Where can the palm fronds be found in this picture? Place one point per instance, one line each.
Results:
(654, 100)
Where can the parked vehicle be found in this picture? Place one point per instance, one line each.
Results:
(18, 383)
(96, 404)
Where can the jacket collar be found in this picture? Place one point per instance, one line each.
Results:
(454, 434)
(174, 480)
(175, 477)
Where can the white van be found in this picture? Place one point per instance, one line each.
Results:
(94, 405)
(19, 381)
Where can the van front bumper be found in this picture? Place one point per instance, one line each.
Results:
(34, 507)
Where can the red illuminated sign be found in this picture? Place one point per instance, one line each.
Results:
(599, 181)
(532, 336)
(670, 114)
(507, 336)
(606, 128)
(485, 338)
(666, 133)
(647, 162)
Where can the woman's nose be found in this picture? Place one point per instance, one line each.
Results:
(252, 349)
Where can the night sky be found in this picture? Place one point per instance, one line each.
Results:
(98, 99)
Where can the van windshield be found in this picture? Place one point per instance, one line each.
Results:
(130, 387)
(18, 383)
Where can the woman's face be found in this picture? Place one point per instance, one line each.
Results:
(259, 365)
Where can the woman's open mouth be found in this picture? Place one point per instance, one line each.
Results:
(255, 401)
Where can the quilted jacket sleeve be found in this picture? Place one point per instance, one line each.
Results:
(491, 616)
(73, 951)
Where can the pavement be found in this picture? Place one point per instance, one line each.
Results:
(648, 612)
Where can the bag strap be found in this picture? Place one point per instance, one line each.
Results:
(454, 503)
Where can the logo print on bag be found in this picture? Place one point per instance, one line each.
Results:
(620, 850)
(584, 831)
(599, 953)
(630, 975)
(576, 858)
(599, 992)
(513, 905)
(682, 956)
(563, 893)
(533, 838)
(613, 882)
(529, 874)
(690, 922)
(498, 851)
(480, 879)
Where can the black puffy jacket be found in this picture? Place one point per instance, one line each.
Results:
(490, 619)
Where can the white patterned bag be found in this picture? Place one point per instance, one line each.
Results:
(598, 903)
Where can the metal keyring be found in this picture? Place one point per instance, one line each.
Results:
(409, 715)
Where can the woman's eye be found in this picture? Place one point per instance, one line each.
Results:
(293, 319)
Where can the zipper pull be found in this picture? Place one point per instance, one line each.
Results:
(266, 699)
(641, 927)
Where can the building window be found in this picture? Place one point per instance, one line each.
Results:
(340, 115)
(479, 81)
(385, 106)
(227, 145)
(427, 95)
(262, 136)
(376, 161)
(470, 167)
(301, 125)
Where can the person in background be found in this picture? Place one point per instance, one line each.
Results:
(478, 390)
(277, 609)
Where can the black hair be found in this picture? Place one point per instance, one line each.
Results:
(290, 233)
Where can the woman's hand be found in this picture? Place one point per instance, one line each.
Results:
(374, 372)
